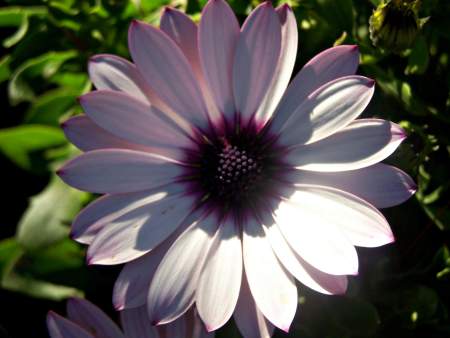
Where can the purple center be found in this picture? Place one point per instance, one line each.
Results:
(234, 170)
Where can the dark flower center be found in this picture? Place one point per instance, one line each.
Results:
(234, 170)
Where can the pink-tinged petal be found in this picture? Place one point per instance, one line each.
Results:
(220, 280)
(118, 171)
(381, 185)
(135, 323)
(218, 34)
(86, 136)
(110, 72)
(286, 62)
(301, 270)
(135, 121)
(272, 287)
(177, 329)
(363, 143)
(132, 284)
(115, 73)
(326, 111)
(89, 316)
(103, 210)
(329, 65)
(249, 320)
(167, 71)
(60, 327)
(140, 230)
(256, 58)
(188, 325)
(173, 287)
(311, 221)
(360, 222)
(183, 31)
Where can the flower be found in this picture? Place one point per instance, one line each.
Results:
(394, 25)
(222, 183)
(85, 320)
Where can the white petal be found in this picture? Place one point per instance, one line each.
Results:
(381, 185)
(133, 282)
(359, 221)
(249, 320)
(135, 323)
(89, 316)
(363, 143)
(286, 62)
(140, 230)
(86, 135)
(105, 209)
(167, 71)
(183, 31)
(218, 34)
(326, 111)
(256, 59)
(118, 171)
(220, 280)
(329, 65)
(321, 224)
(135, 121)
(60, 327)
(173, 287)
(115, 73)
(272, 287)
(301, 270)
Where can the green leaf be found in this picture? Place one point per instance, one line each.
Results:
(37, 288)
(18, 35)
(21, 143)
(20, 88)
(18, 271)
(11, 16)
(419, 58)
(338, 14)
(357, 318)
(47, 219)
(18, 17)
(10, 251)
(5, 70)
(49, 107)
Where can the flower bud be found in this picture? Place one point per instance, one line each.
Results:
(394, 25)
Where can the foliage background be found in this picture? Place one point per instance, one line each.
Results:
(402, 289)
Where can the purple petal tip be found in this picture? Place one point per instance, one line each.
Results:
(51, 313)
(59, 172)
(119, 307)
(72, 234)
(209, 328)
(285, 328)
